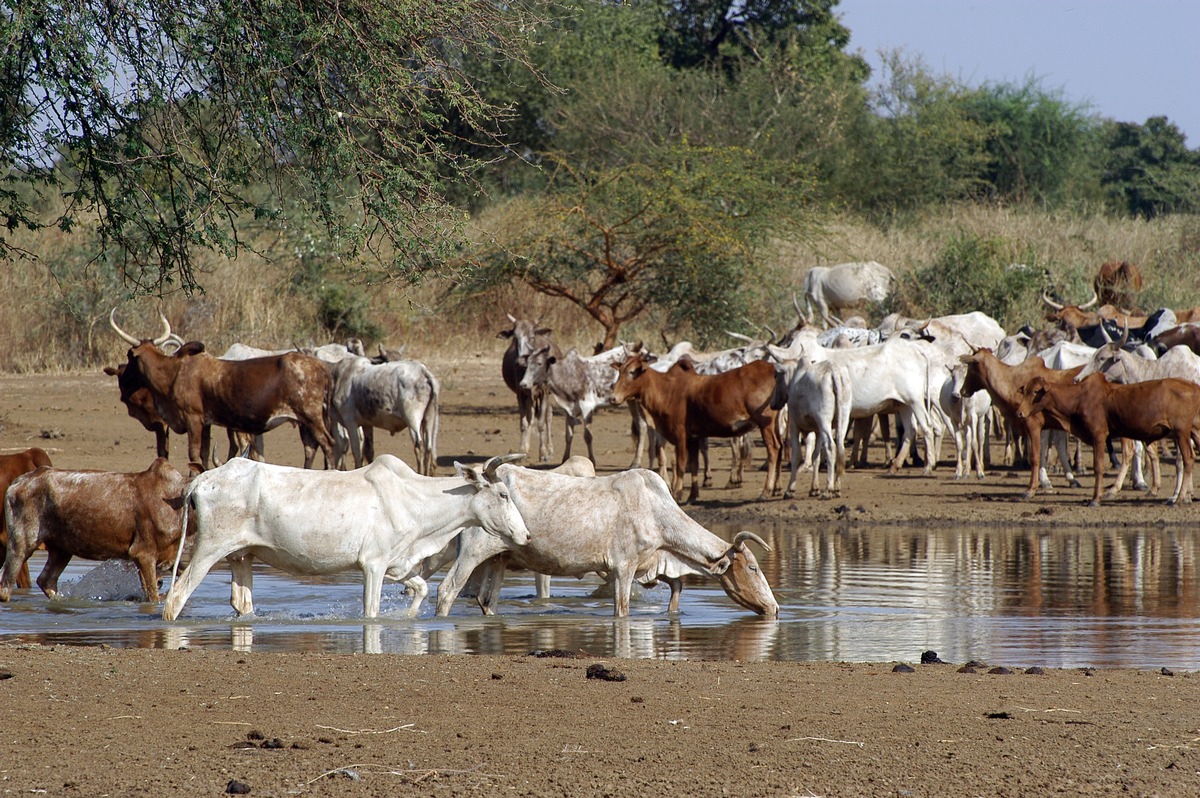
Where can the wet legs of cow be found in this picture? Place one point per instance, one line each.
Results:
(622, 585)
(56, 563)
(241, 584)
(15, 560)
(676, 585)
(372, 589)
(419, 589)
(204, 557)
(491, 579)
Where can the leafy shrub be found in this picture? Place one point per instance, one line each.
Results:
(974, 272)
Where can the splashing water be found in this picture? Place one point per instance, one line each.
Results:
(111, 580)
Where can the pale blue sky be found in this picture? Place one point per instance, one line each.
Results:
(1129, 59)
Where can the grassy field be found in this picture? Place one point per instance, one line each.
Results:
(58, 299)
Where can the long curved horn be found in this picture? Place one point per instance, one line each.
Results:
(799, 312)
(1095, 299)
(489, 468)
(166, 336)
(1051, 302)
(739, 540)
(1124, 335)
(739, 337)
(126, 337)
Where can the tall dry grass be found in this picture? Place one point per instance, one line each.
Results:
(54, 311)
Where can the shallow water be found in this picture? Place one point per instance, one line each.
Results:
(1061, 598)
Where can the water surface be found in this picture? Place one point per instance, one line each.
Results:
(1059, 598)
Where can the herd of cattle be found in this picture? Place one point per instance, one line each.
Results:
(386, 519)
(1137, 382)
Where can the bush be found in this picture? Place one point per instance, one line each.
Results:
(974, 272)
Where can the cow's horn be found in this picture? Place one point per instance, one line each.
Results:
(739, 540)
(799, 312)
(166, 336)
(489, 468)
(129, 339)
(1124, 336)
(1051, 302)
(1095, 299)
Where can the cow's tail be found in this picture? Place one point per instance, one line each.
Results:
(429, 424)
(187, 506)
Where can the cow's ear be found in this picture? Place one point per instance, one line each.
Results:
(543, 331)
(722, 565)
(470, 474)
(505, 334)
(550, 361)
(110, 371)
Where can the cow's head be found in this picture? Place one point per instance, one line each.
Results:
(976, 361)
(492, 502)
(523, 337)
(1071, 315)
(1031, 397)
(537, 368)
(743, 579)
(630, 374)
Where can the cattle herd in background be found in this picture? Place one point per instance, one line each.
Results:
(1102, 371)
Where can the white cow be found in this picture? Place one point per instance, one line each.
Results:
(819, 400)
(383, 519)
(626, 527)
(890, 377)
(831, 289)
(398, 395)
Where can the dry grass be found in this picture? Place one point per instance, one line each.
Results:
(56, 311)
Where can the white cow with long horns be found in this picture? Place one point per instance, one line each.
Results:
(383, 519)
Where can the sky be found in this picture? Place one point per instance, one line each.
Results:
(1128, 60)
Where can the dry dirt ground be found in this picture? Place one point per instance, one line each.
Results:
(99, 721)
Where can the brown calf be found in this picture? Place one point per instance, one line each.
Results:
(1095, 408)
(11, 467)
(97, 515)
(688, 407)
(986, 372)
(1118, 283)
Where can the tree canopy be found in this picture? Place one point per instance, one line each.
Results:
(168, 125)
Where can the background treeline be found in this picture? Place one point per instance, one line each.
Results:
(643, 169)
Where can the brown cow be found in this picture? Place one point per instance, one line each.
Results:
(1184, 335)
(1118, 283)
(1095, 408)
(1076, 316)
(97, 515)
(195, 390)
(986, 372)
(11, 467)
(687, 407)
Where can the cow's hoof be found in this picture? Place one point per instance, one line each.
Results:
(1142, 486)
(1074, 483)
(1094, 503)
(1027, 495)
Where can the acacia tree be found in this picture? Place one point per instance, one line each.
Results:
(676, 237)
(168, 125)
